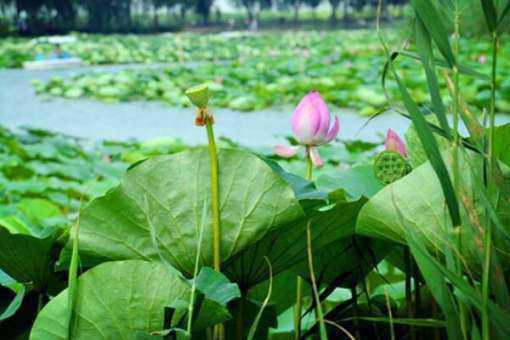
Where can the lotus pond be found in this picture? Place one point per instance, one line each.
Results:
(251, 71)
(315, 238)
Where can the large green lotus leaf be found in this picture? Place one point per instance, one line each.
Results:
(43, 216)
(122, 300)
(286, 246)
(417, 154)
(417, 200)
(306, 191)
(343, 262)
(283, 293)
(26, 258)
(247, 312)
(216, 286)
(9, 308)
(357, 181)
(346, 261)
(168, 193)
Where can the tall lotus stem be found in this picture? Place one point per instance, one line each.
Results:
(311, 125)
(215, 194)
(199, 96)
(322, 325)
(299, 280)
(297, 312)
(309, 165)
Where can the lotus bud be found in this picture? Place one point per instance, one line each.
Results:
(311, 121)
(394, 143)
(311, 125)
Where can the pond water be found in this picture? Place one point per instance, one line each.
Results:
(94, 120)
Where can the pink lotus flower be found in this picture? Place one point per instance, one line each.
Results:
(311, 125)
(394, 143)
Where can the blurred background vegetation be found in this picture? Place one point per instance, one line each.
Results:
(38, 17)
(28, 17)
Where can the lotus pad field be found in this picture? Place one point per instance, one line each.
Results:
(249, 71)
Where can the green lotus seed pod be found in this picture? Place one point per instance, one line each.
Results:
(199, 95)
(390, 166)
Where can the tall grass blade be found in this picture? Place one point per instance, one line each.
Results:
(491, 15)
(499, 286)
(432, 150)
(424, 46)
(441, 63)
(436, 281)
(471, 122)
(437, 130)
(432, 269)
(504, 13)
(429, 14)
(491, 211)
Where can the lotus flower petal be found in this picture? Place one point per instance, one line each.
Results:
(286, 151)
(305, 121)
(321, 107)
(394, 143)
(333, 132)
(315, 157)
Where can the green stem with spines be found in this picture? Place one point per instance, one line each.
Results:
(309, 165)
(215, 199)
(491, 188)
(318, 308)
(218, 332)
(299, 280)
(297, 311)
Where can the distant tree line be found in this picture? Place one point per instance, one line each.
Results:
(52, 16)
(252, 6)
